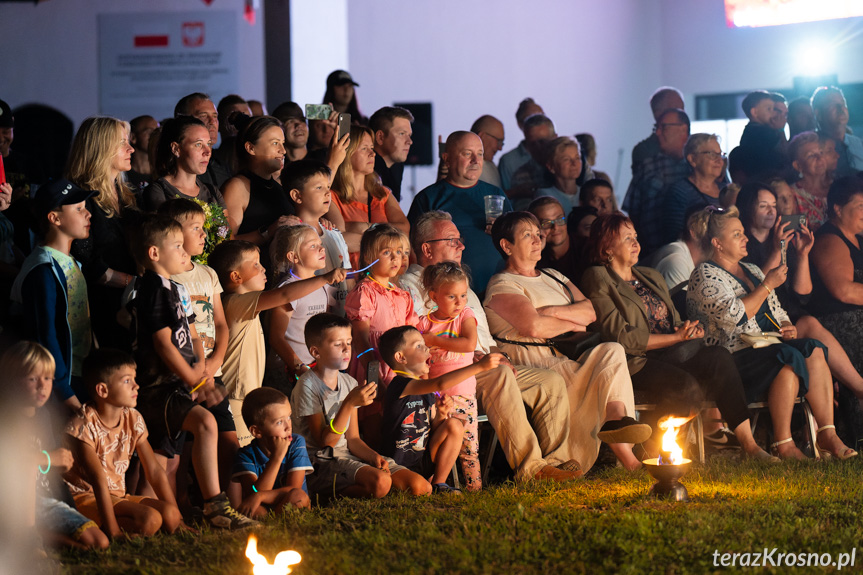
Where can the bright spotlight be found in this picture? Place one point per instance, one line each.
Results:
(814, 59)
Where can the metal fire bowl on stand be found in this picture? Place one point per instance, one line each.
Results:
(667, 477)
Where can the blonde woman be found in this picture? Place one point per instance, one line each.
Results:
(100, 155)
(359, 199)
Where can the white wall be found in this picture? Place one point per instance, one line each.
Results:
(591, 65)
(319, 41)
(49, 52)
(701, 55)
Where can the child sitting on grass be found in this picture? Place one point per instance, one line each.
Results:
(272, 469)
(103, 436)
(238, 264)
(417, 430)
(172, 363)
(28, 372)
(325, 402)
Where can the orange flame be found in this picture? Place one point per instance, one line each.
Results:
(281, 565)
(669, 439)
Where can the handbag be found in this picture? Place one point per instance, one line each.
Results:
(763, 339)
(572, 344)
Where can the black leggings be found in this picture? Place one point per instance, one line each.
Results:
(681, 377)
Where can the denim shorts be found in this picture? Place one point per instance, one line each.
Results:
(58, 517)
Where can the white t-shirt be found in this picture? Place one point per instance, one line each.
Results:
(319, 301)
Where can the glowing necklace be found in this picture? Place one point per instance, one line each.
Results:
(371, 277)
(404, 373)
(433, 320)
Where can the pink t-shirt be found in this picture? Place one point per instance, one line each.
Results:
(384, 309)
(443, 361)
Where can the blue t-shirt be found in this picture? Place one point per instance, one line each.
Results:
(406, 424)
(251, 459)
(467, 208)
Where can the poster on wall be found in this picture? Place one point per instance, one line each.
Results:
(147, 62)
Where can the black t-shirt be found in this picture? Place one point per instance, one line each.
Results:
(158, 304)
(390, 177)
(406, 425)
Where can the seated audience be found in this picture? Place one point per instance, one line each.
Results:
(359, 199)
(535, 445)
(732, 300)
(676, 261)
(490, 131)
(667, 356)
(663, 99)
(325, 403)
(562, 157)
(182, 156)
(527, 307)
(557, 252)
(699, 189)
(533, 174)
(599, 194)
(588, 153)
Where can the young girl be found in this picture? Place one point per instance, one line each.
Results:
(405, 252)
(374, 306)
(450, 331)
(297, 252)
(28, 370)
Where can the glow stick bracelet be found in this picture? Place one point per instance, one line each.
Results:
(364, 269)
(365, 352)
(199, 386)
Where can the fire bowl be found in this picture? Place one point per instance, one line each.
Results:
(667, 485)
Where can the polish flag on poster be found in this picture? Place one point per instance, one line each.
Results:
(193, 34)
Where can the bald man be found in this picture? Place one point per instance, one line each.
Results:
(490, 131)
(462, 195)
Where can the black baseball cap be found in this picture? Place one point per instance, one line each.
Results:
(6, 118)
(339, 78)
(58, 193)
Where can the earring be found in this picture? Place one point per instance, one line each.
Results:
(610, 259)
(800, 175)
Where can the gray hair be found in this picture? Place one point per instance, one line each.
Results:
(695, 141)
(424, 228)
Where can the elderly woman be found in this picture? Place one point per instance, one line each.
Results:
(563, 160)
(182, 156)
(705, 157)
(837, 258)
(526, 307)
(732, 300)
(359, 199)
(811, 189)
(667, 356)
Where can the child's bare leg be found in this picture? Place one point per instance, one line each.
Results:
(135, 518)
(93, 538)
(407, 480)
(171, 516)
(296, 497)
(370, 482)
(228, 446)
(444, 448)
(202, 425)
(170, 466)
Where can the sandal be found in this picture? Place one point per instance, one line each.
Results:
(774, 448)
(826, 454)
(571, 465)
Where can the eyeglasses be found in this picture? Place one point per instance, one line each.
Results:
(548, 224)
(713, 155)
(499, 140)
(453, 242)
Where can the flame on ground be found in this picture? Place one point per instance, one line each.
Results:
(281, 565)
(669, 439)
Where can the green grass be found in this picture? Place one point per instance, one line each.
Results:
(605, 524)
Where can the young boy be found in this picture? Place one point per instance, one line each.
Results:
(102, 438)
(417, 430)
(51, 287)
(325, 401)
(172, 365)
(205, 293)
(28, 372)
(238, 264)
(308, 183)
(272, 469)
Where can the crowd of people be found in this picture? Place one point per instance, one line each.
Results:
(216, 333)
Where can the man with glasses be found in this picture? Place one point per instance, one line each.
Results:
(490, 131)
(507, 393)
(663, 99)
(557, 249)
(532, 175)
(643, 201)
(392, 128)
(831, 112)
(462, 194)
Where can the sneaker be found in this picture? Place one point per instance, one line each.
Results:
(625, 430)
(722, 438)
(445, 488)
(571, 465)
(219, 513)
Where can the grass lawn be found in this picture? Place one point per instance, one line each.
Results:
(604, 524)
